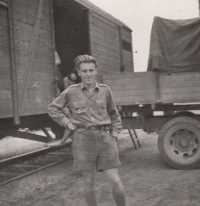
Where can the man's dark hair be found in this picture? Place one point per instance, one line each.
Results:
(84, 59)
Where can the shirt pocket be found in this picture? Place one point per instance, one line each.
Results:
(80, 107)
(102, 107)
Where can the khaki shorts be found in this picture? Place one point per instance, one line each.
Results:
(94, 150)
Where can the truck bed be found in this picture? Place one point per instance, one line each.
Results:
(153, 87)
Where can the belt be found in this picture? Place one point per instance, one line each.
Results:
(97, 127)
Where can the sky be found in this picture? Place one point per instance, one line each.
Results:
(139, 14)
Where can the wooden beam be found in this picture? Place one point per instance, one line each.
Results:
(89, 13)
(31, 52)
(120, 49)
(157, 86)
(51, 37)
(13, 65)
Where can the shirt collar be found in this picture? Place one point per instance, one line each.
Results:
(95, 85)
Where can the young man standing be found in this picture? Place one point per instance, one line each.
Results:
(96, 123)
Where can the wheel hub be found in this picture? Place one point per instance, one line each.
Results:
(184, 143)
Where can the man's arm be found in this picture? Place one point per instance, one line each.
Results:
(55, 109)
(114, 114)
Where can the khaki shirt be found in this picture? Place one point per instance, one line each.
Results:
(86, 109)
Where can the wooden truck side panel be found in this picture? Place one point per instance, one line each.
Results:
(180, 87)
(150, 88)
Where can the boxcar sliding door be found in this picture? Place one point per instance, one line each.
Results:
(33, 57)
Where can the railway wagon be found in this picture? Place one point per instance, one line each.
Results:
(30, 33)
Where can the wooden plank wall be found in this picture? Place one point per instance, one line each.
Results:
(180, 87)
(99, 11)
(127, 56)
(132, 88)
(6, 103)
(140, 87)
(40, 87)
(104, 43)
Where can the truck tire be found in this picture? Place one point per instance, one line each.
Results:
(179, 143)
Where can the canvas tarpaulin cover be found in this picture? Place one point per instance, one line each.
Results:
(175, 45)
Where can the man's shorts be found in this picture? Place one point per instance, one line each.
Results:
(94, 150)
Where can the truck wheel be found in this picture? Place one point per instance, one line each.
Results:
(179, 143)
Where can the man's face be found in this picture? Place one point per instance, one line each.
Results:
(87, 72)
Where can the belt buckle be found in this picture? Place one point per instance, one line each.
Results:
(106, 129)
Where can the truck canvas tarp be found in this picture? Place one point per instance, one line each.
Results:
(174, 45)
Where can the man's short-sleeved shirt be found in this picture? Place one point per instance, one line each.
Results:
(86, 109)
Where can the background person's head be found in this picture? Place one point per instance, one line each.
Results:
(87, 68)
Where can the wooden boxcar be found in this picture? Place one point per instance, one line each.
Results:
(30, 32)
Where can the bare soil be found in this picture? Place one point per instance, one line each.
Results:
(147, 180)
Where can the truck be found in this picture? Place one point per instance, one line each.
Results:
(166, 98)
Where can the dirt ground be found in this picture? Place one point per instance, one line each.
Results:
(147, 180)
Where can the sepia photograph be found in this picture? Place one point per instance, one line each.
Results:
(99, 102)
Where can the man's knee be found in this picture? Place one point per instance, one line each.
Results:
(115, 181)
(113, 175)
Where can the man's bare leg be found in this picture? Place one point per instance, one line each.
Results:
(117, 187)
(89, 192)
